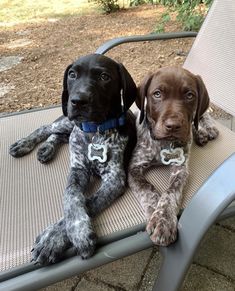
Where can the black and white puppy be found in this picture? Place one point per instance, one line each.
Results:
(97, 93)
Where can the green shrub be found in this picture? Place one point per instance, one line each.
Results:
(160, 27)
(137, 2)
(108, 6)
(189, 13)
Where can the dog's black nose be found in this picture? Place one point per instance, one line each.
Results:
(79, 100)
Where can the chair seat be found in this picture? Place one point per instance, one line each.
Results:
(31, 193)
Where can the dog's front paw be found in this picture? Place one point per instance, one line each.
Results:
(162, 227)
(212, 132)
(46, 152)
(83, 239)
(21, 147)
(49, 246)
(203, 135)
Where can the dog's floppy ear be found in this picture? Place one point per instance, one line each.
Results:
(203, 100)
(65, 94)
(128, 86)
(141, 95)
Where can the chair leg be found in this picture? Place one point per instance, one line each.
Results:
(175, 265)
(204, 209)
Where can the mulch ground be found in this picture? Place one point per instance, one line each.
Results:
(46, 48)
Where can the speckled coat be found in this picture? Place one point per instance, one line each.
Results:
(174, 113)
(96, 89)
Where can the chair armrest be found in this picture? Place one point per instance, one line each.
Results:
(137, 38)
(201, 212)
(210, 201)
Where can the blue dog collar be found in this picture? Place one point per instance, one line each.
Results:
(102, 127)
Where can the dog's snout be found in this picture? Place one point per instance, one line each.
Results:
(173, 124)
(79, 100)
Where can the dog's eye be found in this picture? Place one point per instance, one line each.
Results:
(189, 96)
(72, 75)
(104, 77)
(157, 94)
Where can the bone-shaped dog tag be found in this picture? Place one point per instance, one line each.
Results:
(169, 156)
(97, 152)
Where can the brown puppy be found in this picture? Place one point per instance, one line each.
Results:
(176, 103)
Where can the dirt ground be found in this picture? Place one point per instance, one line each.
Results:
(44, 49)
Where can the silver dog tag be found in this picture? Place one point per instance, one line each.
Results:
(97, 152)
(170, 156)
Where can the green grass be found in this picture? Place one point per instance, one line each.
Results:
(16, 11)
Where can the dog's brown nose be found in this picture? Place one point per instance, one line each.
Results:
(173, 124)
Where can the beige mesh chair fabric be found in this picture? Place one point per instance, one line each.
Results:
(31, 193)
(212, 54)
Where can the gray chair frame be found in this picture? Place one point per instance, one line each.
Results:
(193, 225)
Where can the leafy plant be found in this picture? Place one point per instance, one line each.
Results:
(189, 12)
(137, 2)
(161, 25)
(168, 2)
(108, 6)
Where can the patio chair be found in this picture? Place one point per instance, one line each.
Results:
(31, 193)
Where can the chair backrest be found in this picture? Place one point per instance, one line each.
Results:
(213, 54)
